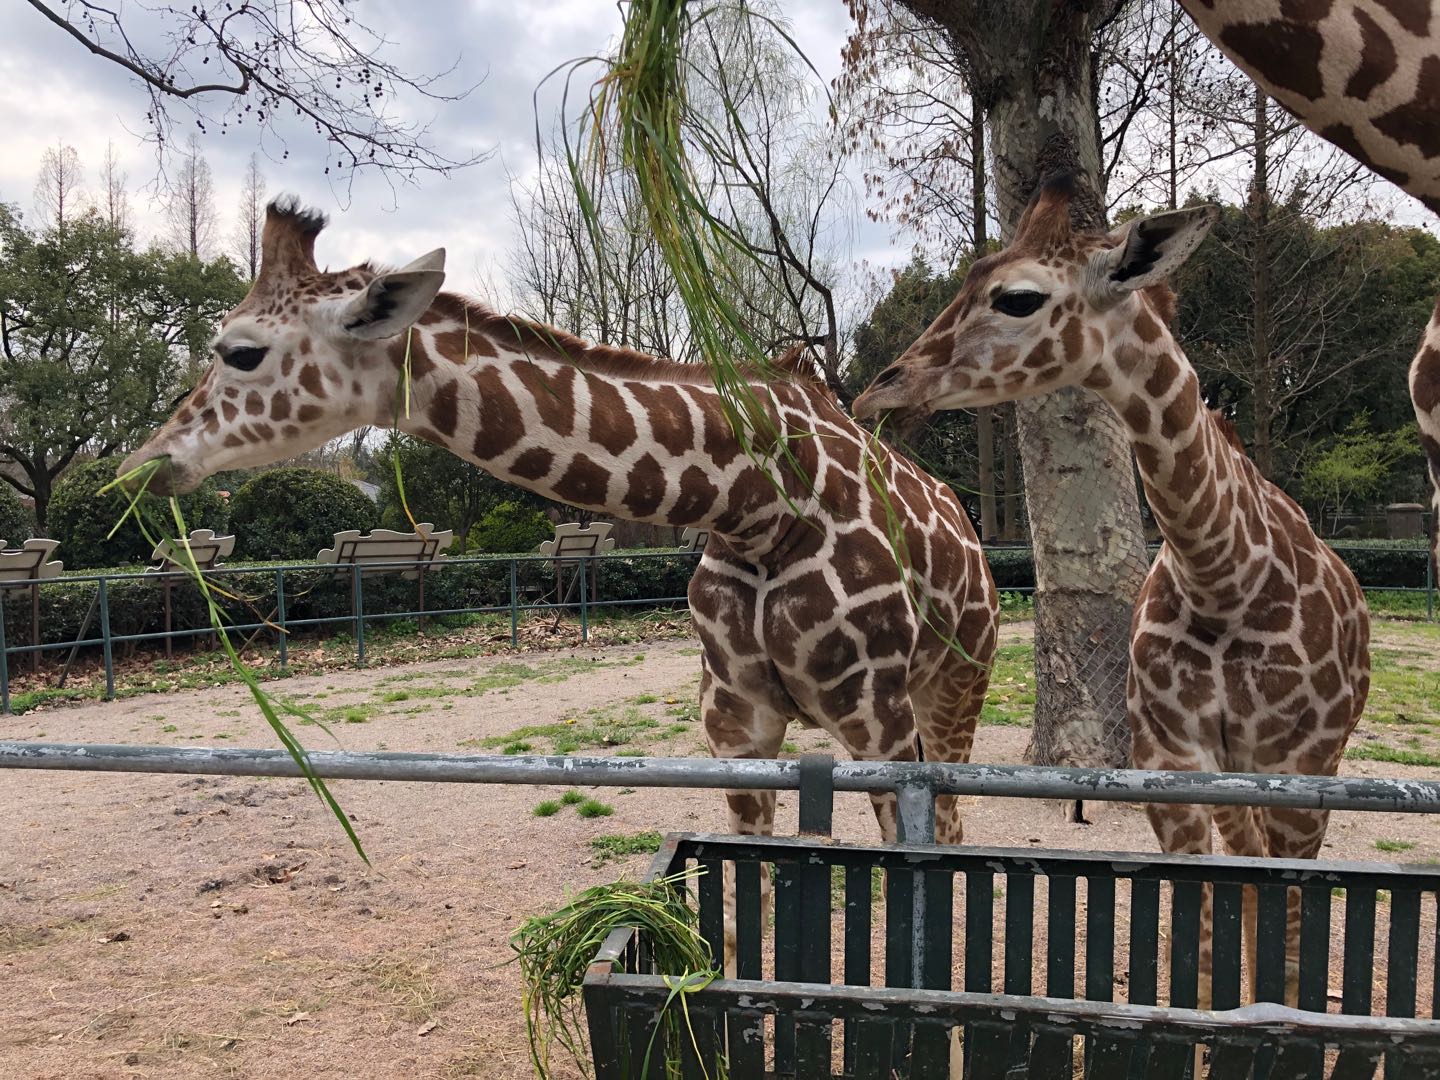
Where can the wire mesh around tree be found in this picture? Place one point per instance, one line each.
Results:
(1090, 562)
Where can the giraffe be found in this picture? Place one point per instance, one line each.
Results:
(798, 599)
(1249, 642)
(1365, 76)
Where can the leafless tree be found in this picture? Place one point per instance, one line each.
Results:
(263, 63)
(251, 218)
(58, 195)
(116, 206)
(190, 210)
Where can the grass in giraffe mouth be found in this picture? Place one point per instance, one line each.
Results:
(152, 525)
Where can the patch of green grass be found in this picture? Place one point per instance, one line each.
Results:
(1402, 685)
(1011, 698)
(168, 728)
(1394, 845)
(593, 808)
(572, 798)
(395, 695)
(548, 808)
(614, 846)
(601, 728)
(630, 753)
(1380, 752)
(516, 748)
(788, 747)
(356, 714)
(645, 699)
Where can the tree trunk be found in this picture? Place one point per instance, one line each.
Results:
(42, 484)
(1031, 65)
(1263, 400)
(985, 415)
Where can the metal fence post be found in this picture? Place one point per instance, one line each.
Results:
(514, 606)
(284, 644)
(357, 602)
(1430, 584)
(4, 663)
(584, 607)
(106, 644)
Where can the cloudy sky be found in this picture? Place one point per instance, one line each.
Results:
(52, 90)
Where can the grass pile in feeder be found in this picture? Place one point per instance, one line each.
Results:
(143, 508)
(555, 950)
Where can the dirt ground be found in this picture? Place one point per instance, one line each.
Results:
(161, 926)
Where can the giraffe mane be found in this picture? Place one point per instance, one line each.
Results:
(540, 339)
(1227, 429)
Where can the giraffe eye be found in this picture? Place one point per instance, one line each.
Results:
(246, 358)
(1019, 302)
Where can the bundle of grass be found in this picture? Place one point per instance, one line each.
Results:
(555, 950)
(145, 509)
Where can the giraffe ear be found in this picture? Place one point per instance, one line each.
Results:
(1150, 249)
(393, 301)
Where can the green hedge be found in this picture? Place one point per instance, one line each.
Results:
(136, 602)
(82, 519)
(17, 523)
(1396, 564)
(292, 513)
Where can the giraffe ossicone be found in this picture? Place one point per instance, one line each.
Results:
(1250, 638)
(798, 599)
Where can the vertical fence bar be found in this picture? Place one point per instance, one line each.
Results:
(357, 604)
(585, 563)
(514, 607)
(4, 663)
(1430, 578)
(106, 645)
(283, 643)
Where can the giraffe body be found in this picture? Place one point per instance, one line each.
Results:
(1249, 645)
(1365, 76)
(798, 599)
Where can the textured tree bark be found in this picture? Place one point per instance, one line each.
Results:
(1031, 66)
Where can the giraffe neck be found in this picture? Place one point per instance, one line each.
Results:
(1361, 75)
(1207, 498)
(651, 444)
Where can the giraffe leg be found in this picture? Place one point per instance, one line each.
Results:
(1293, 834)
(946, 711)
(1242, 829)
(739, 727)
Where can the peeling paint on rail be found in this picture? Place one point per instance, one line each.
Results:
(933, 778)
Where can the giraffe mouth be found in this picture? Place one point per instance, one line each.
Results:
(165, 477)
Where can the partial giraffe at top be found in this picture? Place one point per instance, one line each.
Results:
(1365, 75)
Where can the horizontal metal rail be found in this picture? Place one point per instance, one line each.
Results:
(904, 777)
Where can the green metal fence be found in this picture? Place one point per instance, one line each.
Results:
(270, 604)
(1047, 963)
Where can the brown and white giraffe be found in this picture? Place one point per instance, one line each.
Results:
(798, 599)
(1364, 75)
(1249, 648)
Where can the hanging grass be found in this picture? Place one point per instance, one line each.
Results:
(554, 951)
(640, 113)
(143, 508)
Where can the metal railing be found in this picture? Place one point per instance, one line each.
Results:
(278, 598)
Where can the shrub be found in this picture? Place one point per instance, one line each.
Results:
(508, 527)
(16, 522)
(81, 518)
(292, 513)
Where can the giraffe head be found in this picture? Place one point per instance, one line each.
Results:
(1040, 314)
(302, 359)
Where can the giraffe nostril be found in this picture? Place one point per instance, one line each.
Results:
(887, 376)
